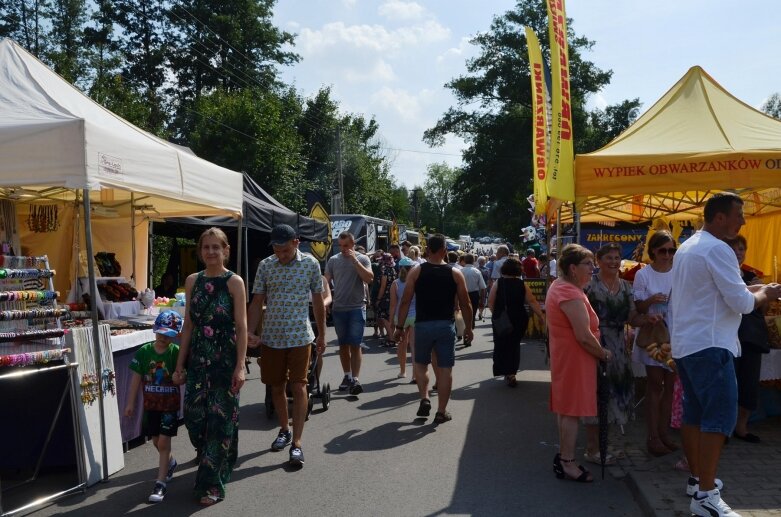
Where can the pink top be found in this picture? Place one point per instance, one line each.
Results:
(573, 369)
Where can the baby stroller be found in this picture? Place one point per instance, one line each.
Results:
(314, 390)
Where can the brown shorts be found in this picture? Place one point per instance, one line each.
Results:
(280, 365)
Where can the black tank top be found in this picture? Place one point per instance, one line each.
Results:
(435, 292)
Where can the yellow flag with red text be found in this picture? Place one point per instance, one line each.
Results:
(539, 123)
(561, 163)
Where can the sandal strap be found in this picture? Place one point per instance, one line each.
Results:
(567, 461)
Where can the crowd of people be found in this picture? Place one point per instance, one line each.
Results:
(693, 292)
(711, 315)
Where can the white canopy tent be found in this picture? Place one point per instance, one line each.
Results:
(60, 147)
(55, 138)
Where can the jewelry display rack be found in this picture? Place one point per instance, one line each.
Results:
(32, 345)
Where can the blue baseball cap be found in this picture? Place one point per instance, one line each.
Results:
(168, 323)
(406, 262)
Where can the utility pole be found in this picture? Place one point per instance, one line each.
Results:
(339, 175)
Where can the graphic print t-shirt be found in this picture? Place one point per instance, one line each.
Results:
(160, 393)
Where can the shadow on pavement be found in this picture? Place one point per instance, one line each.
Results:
(385, 436)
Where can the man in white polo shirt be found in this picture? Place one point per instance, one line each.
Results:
(707, 300)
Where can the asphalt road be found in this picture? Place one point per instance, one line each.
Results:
(370, 455)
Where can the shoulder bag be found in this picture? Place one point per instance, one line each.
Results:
(503, 325)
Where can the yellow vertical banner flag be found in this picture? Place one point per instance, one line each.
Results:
(539, 123)
(561, 164)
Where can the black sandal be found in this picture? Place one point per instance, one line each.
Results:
(584, 477)
(558, 470)
(425, 408)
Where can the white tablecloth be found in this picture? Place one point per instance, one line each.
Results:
(134, 339)
(114, 310)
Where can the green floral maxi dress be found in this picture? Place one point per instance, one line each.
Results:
(211, 410)
(613, 312)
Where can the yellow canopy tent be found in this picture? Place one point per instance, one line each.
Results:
(696, 140)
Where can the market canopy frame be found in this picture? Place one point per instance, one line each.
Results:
(696, 140)
(56, 142)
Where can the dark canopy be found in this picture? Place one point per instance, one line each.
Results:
(261, 213)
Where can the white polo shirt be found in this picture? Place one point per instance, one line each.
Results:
(708, 297)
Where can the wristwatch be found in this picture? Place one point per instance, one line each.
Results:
(399, 328)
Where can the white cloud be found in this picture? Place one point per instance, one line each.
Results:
(375, 38)
(349, 3)
(459, 53)
(379, 71)
(597, 101)
(399, 10)
(407, 105)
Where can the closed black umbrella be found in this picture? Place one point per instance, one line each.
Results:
(603, 398)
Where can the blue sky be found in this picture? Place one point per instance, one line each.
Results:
(391, 58)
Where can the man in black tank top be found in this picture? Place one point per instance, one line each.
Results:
(435, 285)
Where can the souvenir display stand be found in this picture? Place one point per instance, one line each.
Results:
(42, 458)
(90, 382)
(108, 309)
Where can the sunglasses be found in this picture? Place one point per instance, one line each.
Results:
(666, 251)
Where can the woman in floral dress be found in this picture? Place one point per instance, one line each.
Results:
(388, 272)
(613, 301)
(214, 345)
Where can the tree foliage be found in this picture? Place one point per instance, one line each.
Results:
(204, 73)
(772, 106)
(439, 189)
(493, 115)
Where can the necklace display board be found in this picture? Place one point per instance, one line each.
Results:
(91, 381)
(41, 458)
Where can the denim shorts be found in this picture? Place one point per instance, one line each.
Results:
(710, 390)
(349, 326)
(438, 336)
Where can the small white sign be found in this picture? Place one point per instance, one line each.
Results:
(109, 165)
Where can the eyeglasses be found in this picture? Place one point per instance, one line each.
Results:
(666, 251)
(587, 264)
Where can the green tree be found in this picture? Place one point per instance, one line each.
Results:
(605, 125)
(493, 115)
(254, 131)
(140, 41)
(772, 106)
(65, 53)
(439, 189)
(223, 45)
(23, 21)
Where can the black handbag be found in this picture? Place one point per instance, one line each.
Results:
(503, 325)
(753, 334)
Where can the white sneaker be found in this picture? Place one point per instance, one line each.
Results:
(693, 484)
(711, 505)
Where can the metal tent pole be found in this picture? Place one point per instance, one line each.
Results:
(94, 297)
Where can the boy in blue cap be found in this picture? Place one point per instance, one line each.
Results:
(153, 364)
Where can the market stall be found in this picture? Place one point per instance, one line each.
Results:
(696, 140)
(67, 162)
(260, 213)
